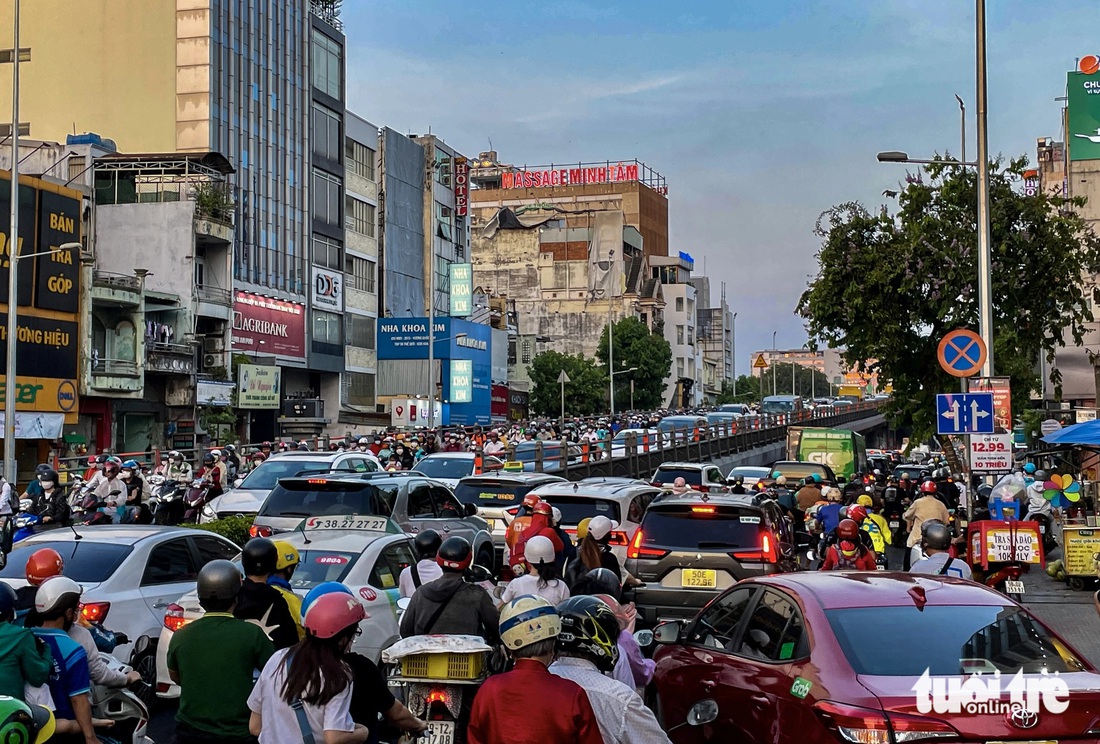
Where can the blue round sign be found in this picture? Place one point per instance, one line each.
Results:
(962, 353)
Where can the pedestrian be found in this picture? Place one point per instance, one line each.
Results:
(529, 627)
(213, 659)
(258, 600)
(23, 660)
(541, 575)
(304, 692)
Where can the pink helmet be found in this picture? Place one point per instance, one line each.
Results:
(331, 614)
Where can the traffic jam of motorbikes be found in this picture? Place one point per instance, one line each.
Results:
(441, 587)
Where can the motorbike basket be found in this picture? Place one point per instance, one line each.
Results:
(444, 666)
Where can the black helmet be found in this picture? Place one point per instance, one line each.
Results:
(455, 554)
(7, 602)
(259, 557)
(208, 459)
(589, 629)
(935, 535)
(42, 469)
(601, 581)
(49, 474)
(101, 459)
(427, 543)
(220, 579)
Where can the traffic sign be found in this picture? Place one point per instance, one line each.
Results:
(563, 378)
(760, 363)
(962, 353)
(964, 413)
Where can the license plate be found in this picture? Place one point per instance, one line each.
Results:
(881, 567)
(439, 732)
(492, 524)
(699, 578)
(894, 524)
(1014, 587)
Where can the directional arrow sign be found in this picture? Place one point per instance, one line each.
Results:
(970, 413)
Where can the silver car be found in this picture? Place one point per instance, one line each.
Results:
(451, 467)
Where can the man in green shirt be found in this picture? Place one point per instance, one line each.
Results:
(213, 660)
(23, 658)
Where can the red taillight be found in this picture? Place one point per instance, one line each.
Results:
(867, 726)
(698, 488)
(317, 481)
(436, 696)
(766, 553)
(618, 539)
(513, 511)
(163, 687)
(703, 509)
(257, 531)
(635, 549)
(173, 618)
(94, 612)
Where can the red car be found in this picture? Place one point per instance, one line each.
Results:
(840, 657)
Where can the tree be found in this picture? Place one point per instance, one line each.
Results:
(889, 286)
(584, 393)
(649, 351)
(748, 390)
(809, 382)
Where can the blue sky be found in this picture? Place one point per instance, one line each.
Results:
(760, 113)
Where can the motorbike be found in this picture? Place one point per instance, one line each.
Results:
(167, 501)
(892, 512)
(195, 499)
(1046, 529)
(123, 706)
(93, 510)
(24, 521)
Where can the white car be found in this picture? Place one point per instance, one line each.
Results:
(368, 561)
(645, 440)
(246, 498)
(749, 474)
(451, 467)
(130, 574)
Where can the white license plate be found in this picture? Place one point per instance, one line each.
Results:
(881, 567)
(1042, 529)
(894, 524)
(1014, 587)
(439, 732)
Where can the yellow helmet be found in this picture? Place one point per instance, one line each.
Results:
(288, 555)
(865, 500)
(527, 620)
(582, 528)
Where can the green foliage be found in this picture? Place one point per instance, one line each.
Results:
(636, 346)
(809, 382)
(584, 393)
(748, 391)
(233, 528)
(889, 286)
(213, 200)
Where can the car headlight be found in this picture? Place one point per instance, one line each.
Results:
(209, 513)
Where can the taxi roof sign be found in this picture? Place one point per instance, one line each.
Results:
(350, 523)
(513, 466)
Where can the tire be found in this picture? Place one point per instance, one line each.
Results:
(486, 557)
(146, 666)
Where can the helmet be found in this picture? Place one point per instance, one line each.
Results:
(530, 500)
(265, 445)
(288, 555)
(56, 592)
(363, 441)
(555, 515)
(101, 459)
(325, 587)
(848, 548)
(877, 471)
(526, 620)
(112, 460)
(847, 530)
(455, 554)
(208, 459)
(175, 455)
(131, 465)
(42, 468)
(865, 500)
(857, 513)
(216, 452)
(49, 474)
(43, 564)
(589, 629)
(816, 477)
(7, 600)
(600, 527)
(230, 448)
(781, 480)
(219, 579)
(602, 581)
(25, 724)
(582, 528)
(333, 613)
(427, 543)
(1029, 468)
(538, 550)
(935, 535)
(1040, 475)
(259, 557)
(258, 456)
(928, 487)
(543, 508)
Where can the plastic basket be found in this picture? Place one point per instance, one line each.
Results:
(443, 666)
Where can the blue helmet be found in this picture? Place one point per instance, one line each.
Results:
(325, 587)
(1029, 468)
(131, 465)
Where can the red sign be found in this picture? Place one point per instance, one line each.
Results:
(262, 325)
(525, 179)
(1001, 387)
(462, 187)
(498, 402)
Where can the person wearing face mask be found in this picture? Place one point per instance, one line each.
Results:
(130, 474)
(405, 456)
(179, 470)
(51, 505)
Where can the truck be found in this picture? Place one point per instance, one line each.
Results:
(842, 450)
(854, 393)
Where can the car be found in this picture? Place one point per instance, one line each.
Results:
(749, 474)
(690, 548)
(498, 497)
(527, 453)
(738, 408)
(410, 500)
(916, 473)
(645, 440)
(130, 574)
(622, 503)
(246, 498)
(368, 561)
(839, 656)
(796, 470)
(451, 467)
(721, 422)
(701, 476)
(684, 428)
(781, 404)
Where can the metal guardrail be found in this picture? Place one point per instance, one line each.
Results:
(116, 281)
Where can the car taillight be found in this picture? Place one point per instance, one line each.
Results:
(258, 531)
(173, 618)
(94, 612)
(766, 553)
(703, 509)
(656, 483)
(513, 511)
(635, 549)
(618, 539)
(866, 726)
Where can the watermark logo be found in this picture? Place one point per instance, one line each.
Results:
(1020, 699)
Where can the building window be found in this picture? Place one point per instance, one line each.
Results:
(679, 367)
(679, 335)
(679, 304)
(444, 218)
(361, 273)
(328, 65)
(360, 331)
(328, 252)
(442, 168)
(326, 197)
(360, 159)
(77, 165)
(327, 328)
(359, 216)
(526, 346)
(24, 129)
(326, 133)
(691, 336)
(358, 389)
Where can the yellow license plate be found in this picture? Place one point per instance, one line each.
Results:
(492, 524)
(699, 578)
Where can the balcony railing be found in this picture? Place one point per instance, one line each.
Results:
(114, 367)
(215, 295)
(116, 281)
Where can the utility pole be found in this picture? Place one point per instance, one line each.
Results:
(11, 470)
(610, 332)
(985, 298)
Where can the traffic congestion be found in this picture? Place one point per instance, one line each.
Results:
(357, 602)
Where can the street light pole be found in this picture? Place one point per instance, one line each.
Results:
(610, 333)
(733, 353)
(774, 370)
(985, 299)
(10, 467)
(962, 116)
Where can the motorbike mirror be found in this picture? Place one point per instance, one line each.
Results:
(702, 713)
(403, 603)
(644, 638)
(471, 510)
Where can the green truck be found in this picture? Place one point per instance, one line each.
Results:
(842, 450)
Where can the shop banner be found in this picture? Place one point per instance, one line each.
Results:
(258, 386)
(263, 325)
(462, 289)
(462, 381)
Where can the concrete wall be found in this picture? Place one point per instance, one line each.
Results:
(158, 237)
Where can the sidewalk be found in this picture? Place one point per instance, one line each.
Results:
(1069, 613)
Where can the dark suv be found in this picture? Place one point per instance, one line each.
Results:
(691, 548)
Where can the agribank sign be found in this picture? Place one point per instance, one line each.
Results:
(526, 179)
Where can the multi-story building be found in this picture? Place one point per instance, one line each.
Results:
(715, 334)
(684, 384)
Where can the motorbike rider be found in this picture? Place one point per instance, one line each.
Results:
(848, 553)
(924, 508)
(285, 566)
(569, 551)
(906, 490)
(1037, 504)
(51, 506)
(936, 543)
(519, 523)
(809, 494)
(34, 487)
(873, 524)
(212, 659)
(211, 476)
(130, 474)
(587, 651)
(258, 600)
(540, 576)
(738, 486)
(450, 605)
(179, 469)
(111, 493)
(426, 569)
(221, 470)
(857, 514)
(23, 660)
(828, 516)
(540, 526)
(529, 627)
(232, 462)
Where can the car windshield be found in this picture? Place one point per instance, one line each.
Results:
(954, 640)
(575, 508)
(799, 470)
(318, 566)
(701, 526)
(913, 471)
(330, 498)
(85, 560)
(678, 424)
(492, 492)
(777, 406)
(267, 475)
(691, 476)
(445, 467)
(749, 472)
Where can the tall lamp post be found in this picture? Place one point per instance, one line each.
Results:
(610, 334)
(733, 353)
(621, 372)
(774, 376)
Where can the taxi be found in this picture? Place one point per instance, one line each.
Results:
(366, 554)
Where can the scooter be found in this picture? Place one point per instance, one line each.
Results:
(24, 522)
(123, 706)
(167, 502)
(195, 499)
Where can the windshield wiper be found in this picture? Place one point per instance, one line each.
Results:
(718, 544)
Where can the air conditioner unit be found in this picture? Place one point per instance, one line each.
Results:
(213, 344)
(210, 361)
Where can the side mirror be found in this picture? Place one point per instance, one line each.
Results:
(666, 632)
(470, 510)
(237, 482)
(644, 638)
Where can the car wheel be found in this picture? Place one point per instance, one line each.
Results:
(146, 666)
(485, 557)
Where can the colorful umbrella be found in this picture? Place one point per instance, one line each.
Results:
(1060, 490)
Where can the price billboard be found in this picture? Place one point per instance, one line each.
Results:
(990, 453)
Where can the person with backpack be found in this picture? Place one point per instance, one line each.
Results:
(849, 554)
(936, 542)
(258, 600)
(450, 605)
(426, 569)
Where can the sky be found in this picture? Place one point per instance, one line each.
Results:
(761, 114)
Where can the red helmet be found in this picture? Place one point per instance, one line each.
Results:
(331, 614)
(530, 500)
(928, 487)
(543, 508)
(43, 564)
(847, 530)
(857, 513)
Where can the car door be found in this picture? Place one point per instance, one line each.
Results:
(170, 572)
(451, 514)
(212, 548)
(421, 509)
(379, 596)
(715, 480)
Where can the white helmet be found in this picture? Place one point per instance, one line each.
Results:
(216, 452)
(53, 592)
(781, 480)
(527, 620)
(555, 515)
(539, 549)
(600, 527)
